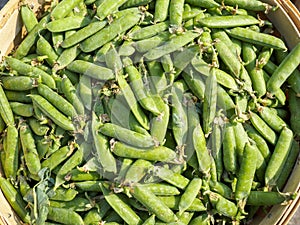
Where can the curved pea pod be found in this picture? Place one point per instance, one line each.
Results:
(130, 137)
(228, 21)
(63, 194)
(63, 8)
(205, 3)
(123, 210)
(173, 203)
(49, 110)
(133, 3)
(29, 149)
(86, 186)
(56, 100)
(271, 118)
(190, 193)
(28, 17)
(161, 10)
(194, 81)
(91, 70)
(79, 175)
(159, 124)
(172, 45)
(28, 70)
(284, 70)
(70, 93)
(44, 48)
(21, 109)
(153, 203)
(19, 83)
(5, 109)
(64, 216)
(15, 199)
(11, 151)
(25, 46)
(222, 205)
(68, 23)
(229, 58)
(263, 128)
(253, 37)
(159, 153)
(229, 150)
(137, 171)
(85, 91)
(246, 174)
(294, 104)
(108, 7)
(210, 102)
(161, 189)
(249, 5)
(170, 177)
(149, 31)
(135, 78)
(279, 157)
(103, 154)
(201, 150)
(264, 56)
(150, 43)
(70, 164)
(66, 57)
(132, 102)
(157, 77)
(107, 34)
(57, 157)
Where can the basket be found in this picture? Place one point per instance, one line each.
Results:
(286, 20)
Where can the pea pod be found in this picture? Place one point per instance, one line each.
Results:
(249, 5)
(19, 83)
(149, 31)
(176, 9)
(125, 212)
(228, 21)
(64, 216)
(5, 109)
(161, 189)
(206, 3)
(28, 17)
(161, 10)
(63, 8)
(21, 109)
(173, 202)
(14, 199)
(153, 203)
(72, 22)
(137, 171)
(44, 48)
(48, 109)
(107, 34)
(222, 205)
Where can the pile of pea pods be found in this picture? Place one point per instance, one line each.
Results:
(148, 112)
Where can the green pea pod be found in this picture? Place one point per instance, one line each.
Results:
(5, 109)
(194, 81)
(28, 17)
(85, 91)
(78, 204)
(161, 10)
(153, 203)
(64, 216)
(246, 174)
(161, 189)
(205, 3)
(137, 171)
(11, 150)
(21, 109)
(172, 45)
(169, 176)
(253, 37)
(29, 149)
(19, 83)
(44, 48)
(29, 70)
(71, 163)
(68, 23)
(159, 153)
(201, 150)
(229, 150)
(189, 194)
(25, 46)
(86, 186)
(262, 198)
(103, 153)
(176, 9)
(149, 31)
(228, 21)
(271, 118)
(173, 203)
(91, 70)
(279, 157)
(124, 211)
(107, 34)
(263, 128)
(241, 138)
(62, 194)
(132, 3)
(63, 8)
(222, 205)
(20, 96)
(57, 157)
(66, 57)
(107, 7)
(15, 200)
(159, 82)
(210, 102)
(150, 43)
(249, 5)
